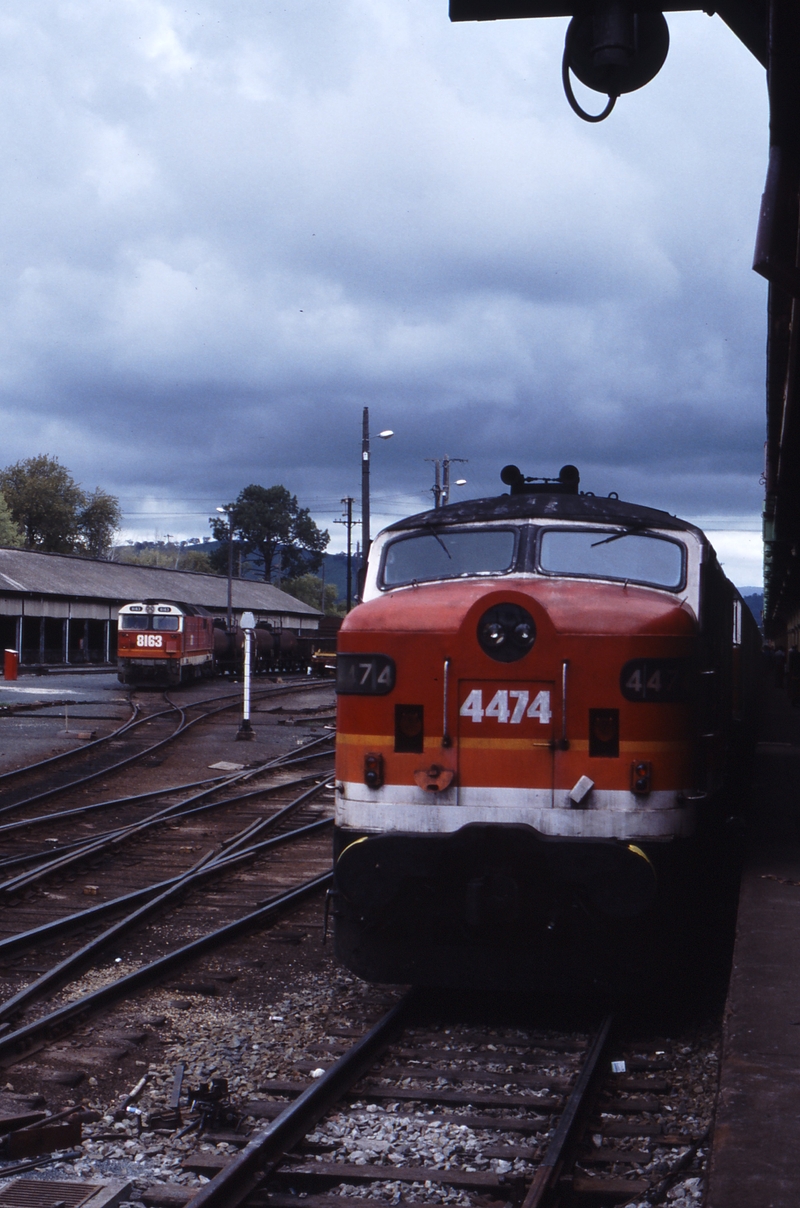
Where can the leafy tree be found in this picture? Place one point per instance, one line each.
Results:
(53, 512)
(195, 559)
(45, 501)
(10, 534)
(98, 521)
(268, 521)
(308, 588)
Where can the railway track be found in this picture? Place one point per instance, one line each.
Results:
(416, 1111)
(61, 855)
(193, 843)
(41, 847)
(227, 829)
(244, 868)
(13, 799)
(413, 1109)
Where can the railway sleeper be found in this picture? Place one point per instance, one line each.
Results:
(480, 1074)
(267, 1199)
(301, 1174)
(371, 1091)
(609, 1188)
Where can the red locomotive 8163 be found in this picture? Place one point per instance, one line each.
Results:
(541, 701)
(164, 643)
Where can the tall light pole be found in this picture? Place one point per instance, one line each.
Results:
(348, 522)
(441, 485)
(228, 511)
(446, 463)
(366, 539)
(436, 489)
(365, 534)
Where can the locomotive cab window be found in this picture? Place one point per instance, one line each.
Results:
(602, 554)
(148, 621)
(448, 554)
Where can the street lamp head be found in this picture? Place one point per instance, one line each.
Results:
(461, 482)
(223, 510)
(387, 432)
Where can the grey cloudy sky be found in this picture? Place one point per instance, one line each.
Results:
(225, 228)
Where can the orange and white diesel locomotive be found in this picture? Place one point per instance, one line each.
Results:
(539, 702)
(164, 643)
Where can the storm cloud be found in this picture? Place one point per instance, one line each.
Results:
(227, 228)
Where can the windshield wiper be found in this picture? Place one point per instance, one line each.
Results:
(428, 525)
(626, 532)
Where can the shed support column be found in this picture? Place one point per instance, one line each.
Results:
(41, 639)
(19, 638)
(107, 642)
(66, 640)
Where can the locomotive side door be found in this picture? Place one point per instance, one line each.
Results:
(505, 742)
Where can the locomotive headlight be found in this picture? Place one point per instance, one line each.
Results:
(506, 632)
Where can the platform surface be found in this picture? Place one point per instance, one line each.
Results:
(755, 1160)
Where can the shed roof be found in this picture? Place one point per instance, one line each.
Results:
(38, 574)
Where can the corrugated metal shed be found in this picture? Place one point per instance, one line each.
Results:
(64, 575)
(58, 608)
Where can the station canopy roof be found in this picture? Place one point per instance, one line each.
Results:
(32, 573)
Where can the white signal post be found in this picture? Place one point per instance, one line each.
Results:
(247, 624)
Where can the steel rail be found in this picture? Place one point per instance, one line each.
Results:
(245, 836)
(96, 843)
(55, 1022)
(78, 852)
(549, 1169)
(264, 694)
(79, 810)
(204, 870)
(45, 856)
(304, 758)
(181, 728)
(134, 720)
(72, 922)
(108, 839)
(231, 1187)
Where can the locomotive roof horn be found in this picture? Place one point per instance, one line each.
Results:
(567, 482)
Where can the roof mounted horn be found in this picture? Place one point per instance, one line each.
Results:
(567, 482)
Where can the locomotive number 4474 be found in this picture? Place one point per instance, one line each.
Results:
(507, 705)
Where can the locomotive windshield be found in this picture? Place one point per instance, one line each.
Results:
(149, 621)
(634, 557)
(448, 554)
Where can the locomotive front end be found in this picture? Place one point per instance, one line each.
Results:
(163, 643)
(520, 774)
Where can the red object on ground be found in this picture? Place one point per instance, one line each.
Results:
(10, 664)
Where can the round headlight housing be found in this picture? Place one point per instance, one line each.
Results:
(506, 632)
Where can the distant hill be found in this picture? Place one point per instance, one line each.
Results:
(754, 599)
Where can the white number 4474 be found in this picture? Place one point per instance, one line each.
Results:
(507, 705)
